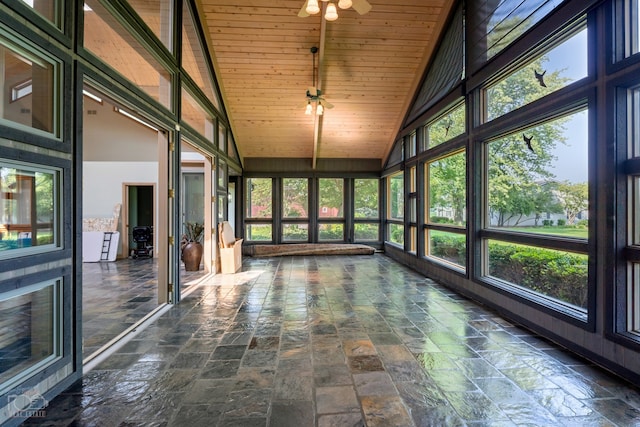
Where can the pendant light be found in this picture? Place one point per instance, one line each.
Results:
(331, 14)
(345, 4)
(312, 7)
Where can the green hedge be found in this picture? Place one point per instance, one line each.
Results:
(556, 274)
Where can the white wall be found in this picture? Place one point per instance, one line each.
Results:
(102, 188)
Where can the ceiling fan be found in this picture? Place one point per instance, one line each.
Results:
(311, 7)
(314, 95)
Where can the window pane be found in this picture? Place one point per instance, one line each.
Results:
(28, 207)
(295, 197)
(633, 299)
(396, 196)
(634, 121)
(370, 232)
(556, 274)
(413, 144)
(446, 127)
(123, 51)
(29, 89)
(331, 204)
(331, 232)
(538, 178)
(259, 198)
(29, 325)
(548, 73)
(222, 138)
(196, 116)
(396, 234)
(506, 22)
(157, 15)
(447, 189)
(448, 247)
(295, 232)
(222, 174)
(48, 9)
(366, 198)
(259, 233)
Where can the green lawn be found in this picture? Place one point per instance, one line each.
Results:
(579, 233)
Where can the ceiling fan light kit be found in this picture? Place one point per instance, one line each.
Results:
(312, 7)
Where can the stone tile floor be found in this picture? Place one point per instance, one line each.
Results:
(115, 295)
(339, 341)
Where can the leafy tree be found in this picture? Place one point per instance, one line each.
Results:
(520, 160)
(447, 185)
(366, 198)
(574, 198)
(295, 197)
(332, 194)
(259, 198)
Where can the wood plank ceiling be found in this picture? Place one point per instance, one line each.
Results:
(369, 68)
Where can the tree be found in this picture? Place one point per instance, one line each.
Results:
(366, 198)
(295, 198)
(332, 195)
(574, 198)
(259, 198)
(447, 185)
(519, 160)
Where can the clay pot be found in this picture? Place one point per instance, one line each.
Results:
(192, 255)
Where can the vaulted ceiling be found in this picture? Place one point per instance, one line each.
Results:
(369, 67)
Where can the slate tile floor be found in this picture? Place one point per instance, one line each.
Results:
(115, 295)
(339, 341)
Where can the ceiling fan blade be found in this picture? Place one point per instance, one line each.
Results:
(303, 12)
(361, 6)
(326, 104)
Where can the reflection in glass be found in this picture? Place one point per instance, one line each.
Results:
(538, 178)
(557, 68)
(396, 196)
(48, 9)
(445, 127)
(295, 232)
(29, 325)
(193, 57)
(195, 115)
(259, 198)
(448, 247)
(28, 204)
(157, 14)
(124, 53)
(295, 197)
(259, 233)
(330, 232)
(447, 190)
(28, 89)
(366, 232)
(331, 204)
(511, 19)
(556, 274)
(366, 198)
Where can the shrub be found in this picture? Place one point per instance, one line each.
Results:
(559, 275)
(562, 222)
(440, 220)
(547, 222)
(450, 247)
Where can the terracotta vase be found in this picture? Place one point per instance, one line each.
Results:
(192, 255)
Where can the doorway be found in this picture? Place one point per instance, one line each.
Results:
(138, 211)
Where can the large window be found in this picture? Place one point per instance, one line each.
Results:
(125, 53)
(30, 325)
(366, 202)
(395, 208)
(331, 209)
(258, 203)
(196, 116)
(537, 183)
(555, 69)
(446, 209)
(30, 89)
(48, 9)
(29, 209)
(295, 205)
(445, 127)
